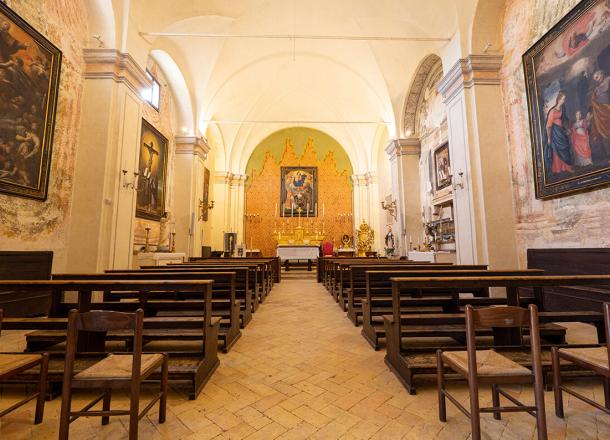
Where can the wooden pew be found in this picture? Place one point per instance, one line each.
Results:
(339, 279)
(411, 357)
(253, 279)
(378, 298)
(356, 291)
(224, 305)
(243, 293)
(266, 266)
(193, 366)
(276, 268)
(259, 275)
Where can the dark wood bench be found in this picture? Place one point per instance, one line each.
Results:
(253, 279)
(411, 357)
(356, 291)
(341, 275)
(378, 298)
(25, 265)
(260, 274)
(274, 262)
(242, 292)
(573, 261)
(193, 365)
(224, 306)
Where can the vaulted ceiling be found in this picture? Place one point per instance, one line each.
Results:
(237, 87)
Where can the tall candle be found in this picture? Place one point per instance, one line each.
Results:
(292, 210)
(316, 210)
(323, 209)
(307, 212)
(275, 211)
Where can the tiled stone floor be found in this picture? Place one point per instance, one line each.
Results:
(301, 370)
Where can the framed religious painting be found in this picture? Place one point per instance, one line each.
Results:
(29, 82)
(152, 171)
(567, 77)
(442, 167)
(299, 192)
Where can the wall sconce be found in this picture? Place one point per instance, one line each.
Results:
(204, 207)
(131, 184)
(458, 183)
(390, 207)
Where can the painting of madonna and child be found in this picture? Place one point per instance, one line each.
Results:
(299, 192)
(29, 81)
(568, 84)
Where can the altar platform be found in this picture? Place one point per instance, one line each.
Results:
(297, 252)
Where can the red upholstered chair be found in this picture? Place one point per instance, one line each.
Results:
(327, 249)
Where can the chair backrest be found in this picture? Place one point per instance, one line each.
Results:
(503, 318)
(1, 316)
(101, 321)
(327, 248)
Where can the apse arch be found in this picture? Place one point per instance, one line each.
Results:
(275, 144)
(429, 65)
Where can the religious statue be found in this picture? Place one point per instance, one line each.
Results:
(365, 237)
(390, 242)
(164, 231)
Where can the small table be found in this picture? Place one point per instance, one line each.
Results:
(307, 252)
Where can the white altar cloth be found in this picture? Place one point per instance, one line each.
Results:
(298, 252)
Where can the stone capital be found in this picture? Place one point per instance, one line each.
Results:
(469, 72)
(118, 66)
(403, 147)
(359, 179)
(238, 179)
(194, 145)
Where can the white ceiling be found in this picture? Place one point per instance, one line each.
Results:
(229, 83)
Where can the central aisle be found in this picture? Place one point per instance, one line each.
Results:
(302, 369)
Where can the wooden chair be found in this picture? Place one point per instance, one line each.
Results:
(115, 371)
(595, 359)
(13, 364)
(492, 368)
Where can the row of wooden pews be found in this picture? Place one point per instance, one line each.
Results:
(414, 309)
(191, 310)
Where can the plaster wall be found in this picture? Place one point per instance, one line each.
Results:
(578, 220)
(27, 224)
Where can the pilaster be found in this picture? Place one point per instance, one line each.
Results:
(483, 208)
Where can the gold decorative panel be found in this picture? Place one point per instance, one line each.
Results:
(263, 199)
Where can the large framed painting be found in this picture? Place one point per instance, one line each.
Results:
(152, 171)
(206, 193)
(29, 81)
(299, 191)
(442, 167)
(567, 77)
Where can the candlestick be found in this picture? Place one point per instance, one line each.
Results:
(275, 211)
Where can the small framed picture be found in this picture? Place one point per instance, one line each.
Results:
(442, 167)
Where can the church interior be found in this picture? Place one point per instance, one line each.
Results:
(321, 219)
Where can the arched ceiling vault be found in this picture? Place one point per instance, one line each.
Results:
(246, 87)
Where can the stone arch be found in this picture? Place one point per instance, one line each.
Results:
(427, 70)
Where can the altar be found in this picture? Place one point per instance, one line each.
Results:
(295, 252)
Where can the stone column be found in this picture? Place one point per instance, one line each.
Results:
(480, 163)
(101, 230)
(238, 202)
(404, 158)
(220, 215)
(191, 154)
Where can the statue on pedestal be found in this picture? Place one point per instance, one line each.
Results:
(390, 242)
